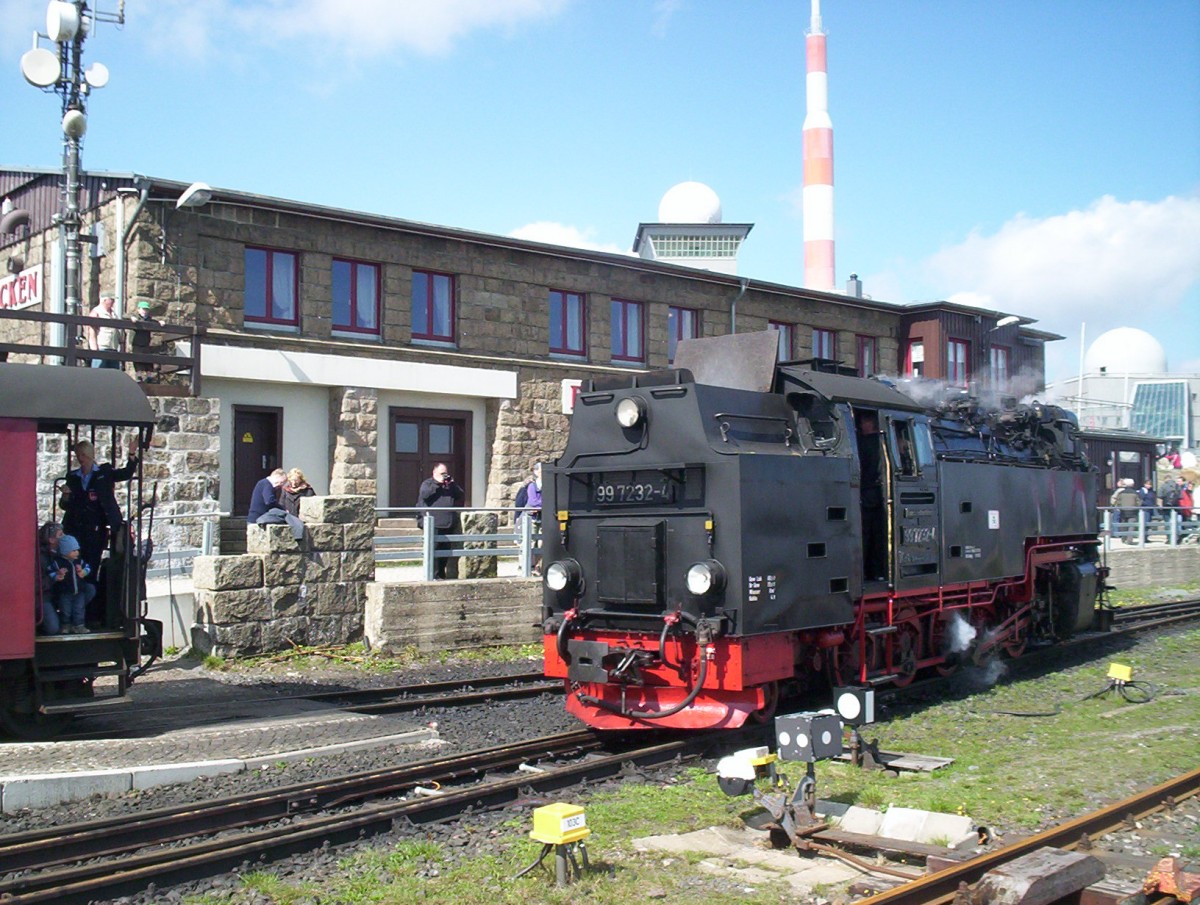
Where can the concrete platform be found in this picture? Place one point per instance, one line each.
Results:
(182, 726)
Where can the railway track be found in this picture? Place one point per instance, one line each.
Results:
(953, 883)
(1137, 618)
(126, 856)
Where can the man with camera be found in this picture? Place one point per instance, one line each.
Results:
(440, 492)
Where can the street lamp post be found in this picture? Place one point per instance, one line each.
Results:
(68, 23)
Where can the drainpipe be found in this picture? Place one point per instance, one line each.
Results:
(124, 230)
(744, 282)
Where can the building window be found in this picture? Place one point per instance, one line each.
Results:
(627, 331)
(868, 352)
(914, 359)
(568, 324)
(824, 344)
(433, 306)
(355, 296)
(1000, 357)
(682, 323)
(957, 358)
(272, 278)
(787, 337)
(702, 246)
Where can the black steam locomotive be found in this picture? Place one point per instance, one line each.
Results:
(717, 531)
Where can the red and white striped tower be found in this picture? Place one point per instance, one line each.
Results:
(818, 164)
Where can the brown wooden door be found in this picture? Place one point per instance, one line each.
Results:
(257, 450)
(420, 438)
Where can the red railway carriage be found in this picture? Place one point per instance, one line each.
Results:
(45, 679)
(735, 525)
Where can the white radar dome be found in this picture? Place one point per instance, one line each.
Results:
(1126, 350)
(689, 202)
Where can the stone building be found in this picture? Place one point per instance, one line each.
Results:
(363, 348)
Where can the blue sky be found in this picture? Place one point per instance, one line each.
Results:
(1036, 157)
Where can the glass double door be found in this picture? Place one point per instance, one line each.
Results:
(420, 439)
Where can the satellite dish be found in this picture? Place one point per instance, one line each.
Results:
(74, 123)
(62, 21)
(40, 67)
(97, 75)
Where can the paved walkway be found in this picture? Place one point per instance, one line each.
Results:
(182, 725)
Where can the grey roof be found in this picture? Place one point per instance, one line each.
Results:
(855, 390)
(53, 395)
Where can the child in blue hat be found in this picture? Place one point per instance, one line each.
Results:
(72, 591)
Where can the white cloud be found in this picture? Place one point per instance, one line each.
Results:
(561, 234)
(1092, 264)
(364, 28)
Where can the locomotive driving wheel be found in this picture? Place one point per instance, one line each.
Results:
(1018, 638)
(767, 710)
(905, 647)
(844, 663)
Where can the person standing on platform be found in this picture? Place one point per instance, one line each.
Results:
(438, 495)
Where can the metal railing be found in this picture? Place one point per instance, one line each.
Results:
(523, 540)
(1170, 525)
(176, 562)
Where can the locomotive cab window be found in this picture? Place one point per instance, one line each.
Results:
(904, 448)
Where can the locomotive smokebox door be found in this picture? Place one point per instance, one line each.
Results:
(808, 737)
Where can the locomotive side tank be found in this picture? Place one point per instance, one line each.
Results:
(733, 525)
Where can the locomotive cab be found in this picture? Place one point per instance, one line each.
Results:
(46, 678)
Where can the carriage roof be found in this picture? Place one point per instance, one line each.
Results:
(55, 396)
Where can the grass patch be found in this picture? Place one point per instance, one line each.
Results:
(1121, 597)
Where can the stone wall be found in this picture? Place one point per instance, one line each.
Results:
(453, 615)
(283, 591)
(1154, 567)
(354, 438)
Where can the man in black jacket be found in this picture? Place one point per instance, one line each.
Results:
(440, 491)
(89, 501)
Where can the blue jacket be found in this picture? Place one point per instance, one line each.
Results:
(261, 500)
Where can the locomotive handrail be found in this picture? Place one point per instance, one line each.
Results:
(788, 433)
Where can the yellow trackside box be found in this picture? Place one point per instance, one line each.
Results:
(1120, 672)
(559, 824)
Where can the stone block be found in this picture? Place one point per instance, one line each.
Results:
(271, 539)
(337, 510)
(284, 569)
(359, 536)
(285, 600)
(282, 634)
(359, 565)
(326, 537)
(227, 573)
(227, 640)
(334, 598)
(232, 607)
(458, 615)
(1043, 876)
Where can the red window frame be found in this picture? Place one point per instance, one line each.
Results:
(620, 311)
(824, 343)
(562, 302)
(908, 358)
(958, 361)
(355, 270)
(868, 355)
(428, 299)
(265, 294)
(1001, 362)
(682, 323)
(787, 348)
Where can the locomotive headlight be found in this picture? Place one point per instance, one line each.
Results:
(564, 575)
(706, 577)
(631, 411)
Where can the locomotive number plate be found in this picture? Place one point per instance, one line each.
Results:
(651, 493)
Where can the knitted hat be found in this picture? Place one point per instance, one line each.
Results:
(144, 305)
(67, 544)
